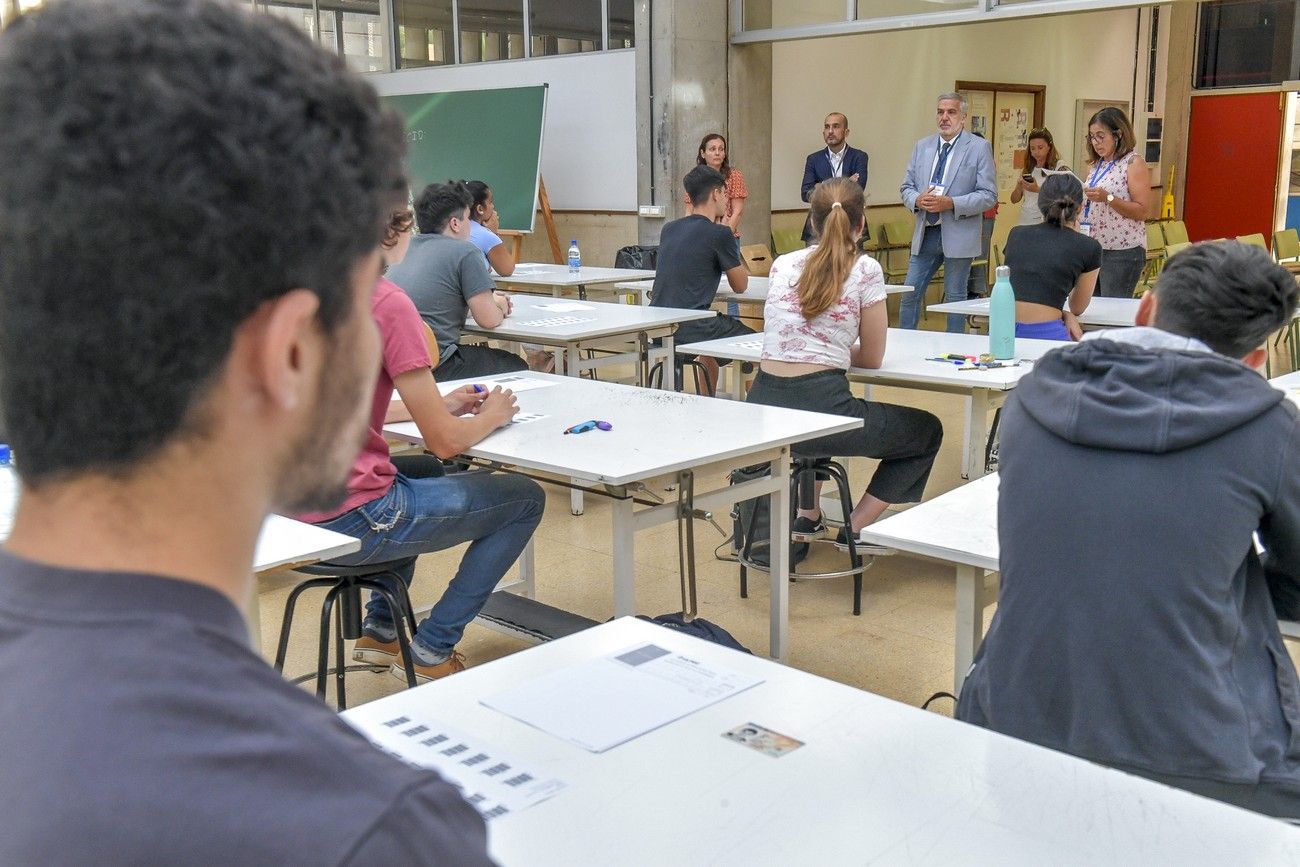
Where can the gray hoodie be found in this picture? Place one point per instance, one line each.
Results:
(1136, 620)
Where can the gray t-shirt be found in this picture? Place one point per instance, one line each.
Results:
(137, 727)
(441, 274)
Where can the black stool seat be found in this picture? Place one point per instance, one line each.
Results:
(344, 585)
(680, 363)
(805, 472)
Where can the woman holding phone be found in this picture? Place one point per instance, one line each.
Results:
(1043, 160)
(1118, 187)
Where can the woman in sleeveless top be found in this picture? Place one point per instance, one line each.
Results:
(1043, 160)
(1118, 189)
(825, 312)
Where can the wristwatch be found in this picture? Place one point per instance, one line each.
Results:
(1110, 197)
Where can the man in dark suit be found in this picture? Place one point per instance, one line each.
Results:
(836, 160)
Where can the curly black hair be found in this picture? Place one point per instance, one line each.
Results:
(166, 166)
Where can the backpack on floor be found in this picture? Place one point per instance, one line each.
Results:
(741, 515)
(700, 628)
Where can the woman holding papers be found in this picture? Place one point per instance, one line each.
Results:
(826, 312)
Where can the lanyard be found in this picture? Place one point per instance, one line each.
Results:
(1095, 178)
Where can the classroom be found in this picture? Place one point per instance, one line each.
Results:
(986, 309)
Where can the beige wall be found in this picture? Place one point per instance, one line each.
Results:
(599, 235)
(887, 82)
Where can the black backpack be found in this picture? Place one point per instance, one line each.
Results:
(700, 628)
(757, 511)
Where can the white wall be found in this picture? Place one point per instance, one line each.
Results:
(887, 82)
(589, 141)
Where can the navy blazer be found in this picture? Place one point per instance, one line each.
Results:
(817, 168)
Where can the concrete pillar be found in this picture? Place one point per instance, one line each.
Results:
(749, 122)
(1178, 93)
(682, 80)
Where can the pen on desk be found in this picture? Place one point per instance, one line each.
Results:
(479, 389)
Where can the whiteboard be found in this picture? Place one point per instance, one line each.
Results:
(589, 138)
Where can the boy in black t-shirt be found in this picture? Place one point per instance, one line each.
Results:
(694, 253)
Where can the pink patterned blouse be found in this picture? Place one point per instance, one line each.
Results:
(1113, 230)
(826, 340)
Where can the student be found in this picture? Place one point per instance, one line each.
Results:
(193, 352)
(826, 312)
(1137, 620)
(400, 508)
(694, 253)
(447, 277)
(1051, 263)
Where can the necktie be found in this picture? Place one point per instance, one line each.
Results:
(937, 177)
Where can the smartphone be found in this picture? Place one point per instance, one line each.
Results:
(1029, 178)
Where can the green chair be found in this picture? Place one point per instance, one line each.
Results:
(1175, 232)
(1255, 239)
(787, 240)
(896, 243)
(1286, 245)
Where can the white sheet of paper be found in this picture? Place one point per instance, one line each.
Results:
(605, 702)
(564, 306)
(494, 783)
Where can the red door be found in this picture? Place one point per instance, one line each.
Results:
(1233, 145)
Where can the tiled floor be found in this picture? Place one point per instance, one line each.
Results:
(901, 646)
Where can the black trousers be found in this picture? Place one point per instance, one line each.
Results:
(905, 440)
(478, 360)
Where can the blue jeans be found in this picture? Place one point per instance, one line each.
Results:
(495, 512)
(921, 270)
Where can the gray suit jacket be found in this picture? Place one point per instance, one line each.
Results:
(972, 184)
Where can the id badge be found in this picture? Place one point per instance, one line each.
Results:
(937, 189)
(1085, 229)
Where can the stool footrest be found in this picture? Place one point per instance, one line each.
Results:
(530, 620)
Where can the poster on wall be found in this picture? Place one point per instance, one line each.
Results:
(981, 109)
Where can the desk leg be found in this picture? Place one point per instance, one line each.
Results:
(669, 380)
(737, 381)
(253, 611)
(572, 357)
(624, 537)
(977, 419)
(779, 555)
(528, 569)
(972, 597)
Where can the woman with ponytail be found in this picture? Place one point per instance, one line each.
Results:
(825, 313)
(1053, 263)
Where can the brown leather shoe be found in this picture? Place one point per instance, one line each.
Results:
(375, 652)
(426, 673)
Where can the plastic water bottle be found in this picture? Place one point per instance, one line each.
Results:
(6, 456)
(575, 257)
(1002, 316)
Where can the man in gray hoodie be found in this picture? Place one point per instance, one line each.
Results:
(1149, 523)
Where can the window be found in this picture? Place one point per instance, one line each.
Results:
(622, 23)
(565, 26)
(491, 30)
(895, 8)
(1246, 42)
(424, 33)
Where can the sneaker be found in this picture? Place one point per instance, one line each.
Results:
(373, 651)
(842, 543)
(807, 529)
(425, 673)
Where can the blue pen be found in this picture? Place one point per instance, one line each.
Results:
(478, 389)
(583, 427)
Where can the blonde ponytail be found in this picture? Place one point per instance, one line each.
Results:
(837, 207)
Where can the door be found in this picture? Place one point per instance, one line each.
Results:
(1233, 148)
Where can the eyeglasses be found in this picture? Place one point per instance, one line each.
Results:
(1097, 136)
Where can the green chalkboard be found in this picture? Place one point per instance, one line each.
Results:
(493, 136)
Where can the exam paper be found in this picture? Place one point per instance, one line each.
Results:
(608, 701)
(564, 306)
(494, 783)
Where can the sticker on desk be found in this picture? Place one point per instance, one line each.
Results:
(748, 344)
(555, 321)
(493, 782)
(763, 740)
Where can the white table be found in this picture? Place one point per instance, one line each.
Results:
(876, 782)
(755, 290)
(657, 436)
(1101, 312)
(556, 278)
(959, 527)
(1287, 382)
(905, 365)
(603, 325)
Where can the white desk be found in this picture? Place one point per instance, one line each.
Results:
(755, 290)
(602, 325)
(657, 436)
(876, 782)
(959, 527)
(1289, 382)
(905, 365)
(556, 278)
(1101, 312)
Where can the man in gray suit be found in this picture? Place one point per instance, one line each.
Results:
(950, 183)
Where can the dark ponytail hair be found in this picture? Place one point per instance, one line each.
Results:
(1059, 198)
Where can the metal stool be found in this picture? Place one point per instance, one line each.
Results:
(804, 474)
(680, 362)
(345, 584)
